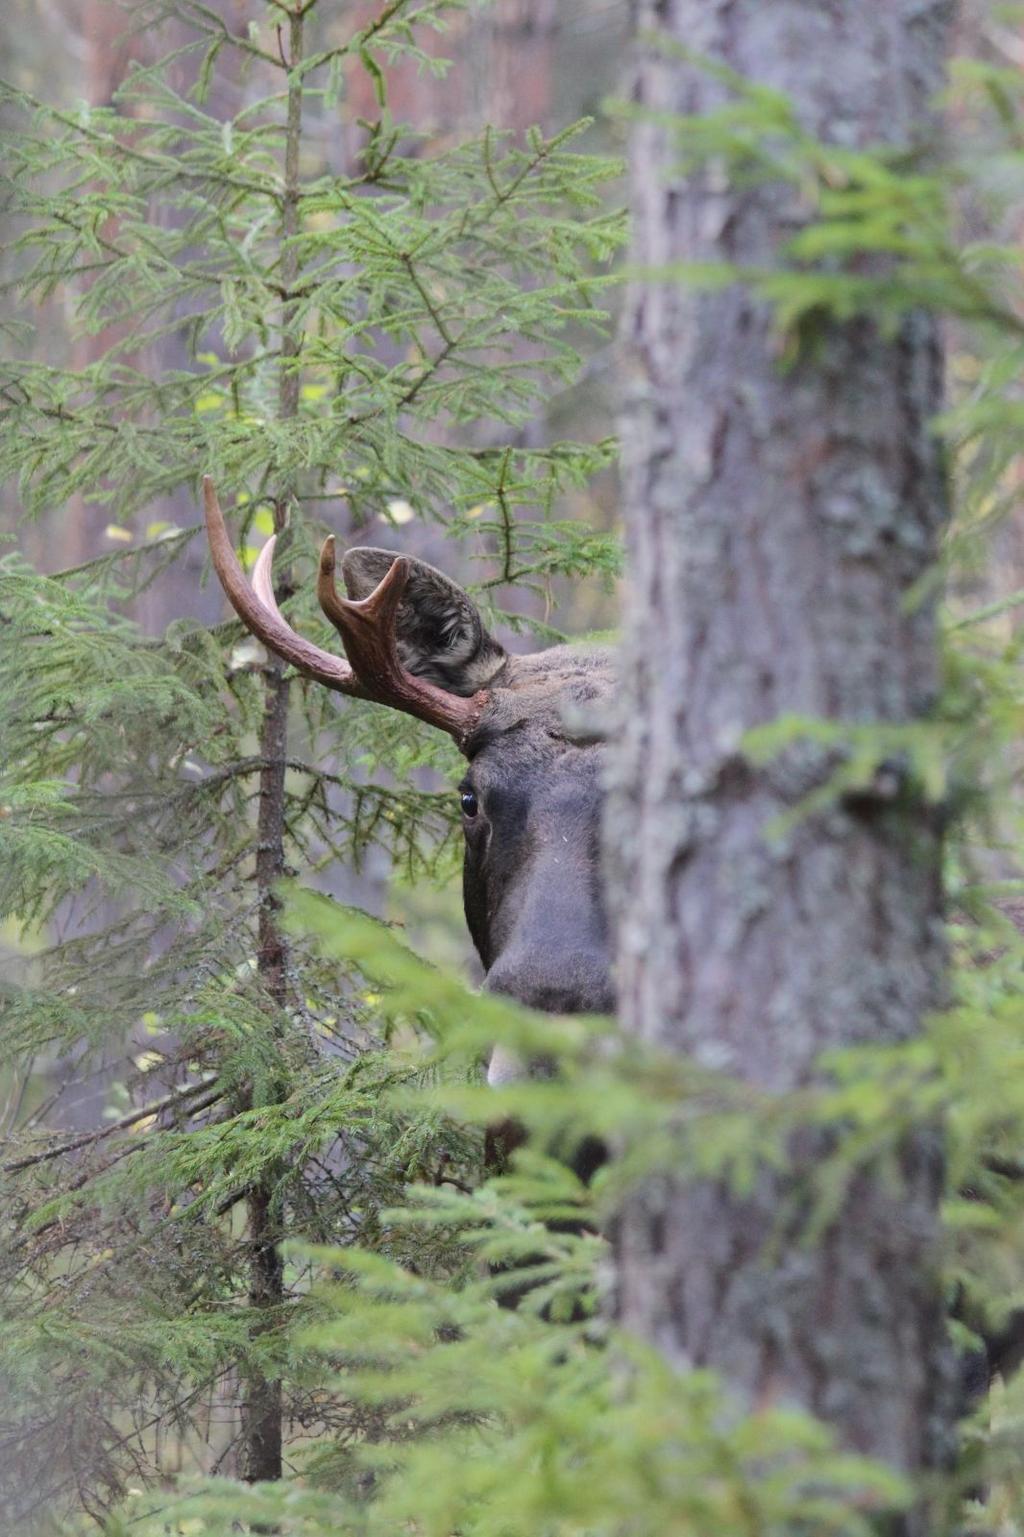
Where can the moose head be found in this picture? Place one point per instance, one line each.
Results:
(531, 793)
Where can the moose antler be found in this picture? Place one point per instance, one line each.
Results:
(367, 628)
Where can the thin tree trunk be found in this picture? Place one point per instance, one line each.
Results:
(262, 1408)
(777, 521)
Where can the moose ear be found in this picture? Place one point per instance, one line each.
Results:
(439, 631)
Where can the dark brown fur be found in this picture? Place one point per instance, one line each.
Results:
(532, 877)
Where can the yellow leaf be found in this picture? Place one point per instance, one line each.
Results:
(115, 531)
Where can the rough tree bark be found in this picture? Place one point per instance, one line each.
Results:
(776, 521)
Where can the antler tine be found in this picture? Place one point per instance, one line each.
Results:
(263, 578)
(257, 608)
(379, 610)
(367, 628)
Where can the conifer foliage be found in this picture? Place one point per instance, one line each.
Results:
(341, 327)
(246, 1235)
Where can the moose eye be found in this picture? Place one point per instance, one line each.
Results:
(470, 806)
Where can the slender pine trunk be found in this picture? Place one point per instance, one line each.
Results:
(262, 1407)
(777, 521)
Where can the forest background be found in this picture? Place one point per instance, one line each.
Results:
(158, 1125)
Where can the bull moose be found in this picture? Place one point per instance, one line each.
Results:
(531, 793)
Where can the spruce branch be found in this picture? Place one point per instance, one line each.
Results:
(177, 1099)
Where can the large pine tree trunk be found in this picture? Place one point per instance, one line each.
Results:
(777, 520)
